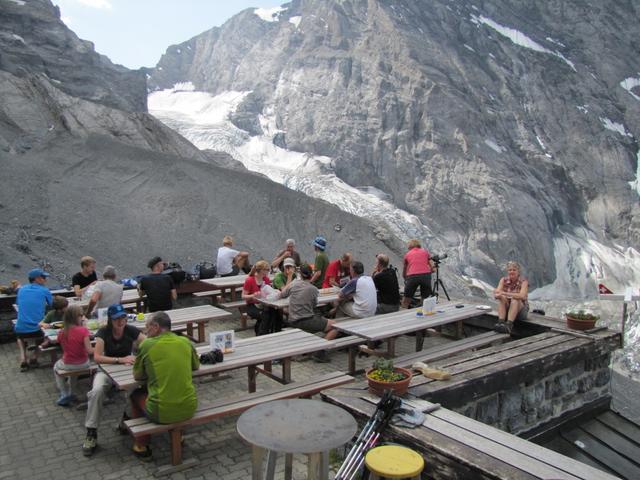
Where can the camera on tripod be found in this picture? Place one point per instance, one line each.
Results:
(438, 258)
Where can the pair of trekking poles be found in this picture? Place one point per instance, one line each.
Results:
(368, 437)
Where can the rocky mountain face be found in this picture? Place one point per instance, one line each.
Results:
(86, 171)
(508, 127)
(33, 40)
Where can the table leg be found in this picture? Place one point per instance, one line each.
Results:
(459, 329)
(233, 294)
(176, 446)
(190, 329)
(257, 456)
(315, 468)
(391, 347)
(286, 370)
(201, 332)
(267, 367)
(419, 340)
(288, 466)
(353, 351)
(272, 456)
(252, 373)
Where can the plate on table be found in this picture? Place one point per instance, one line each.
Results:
(57, 325)
(486, 308)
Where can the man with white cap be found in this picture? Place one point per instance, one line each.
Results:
(32, 301)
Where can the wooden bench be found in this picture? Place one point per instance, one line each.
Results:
(229, 406)
(212, 295)
(451, 348)
(241, 305)
(78, 373)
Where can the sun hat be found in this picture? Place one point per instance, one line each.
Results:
(320, 242)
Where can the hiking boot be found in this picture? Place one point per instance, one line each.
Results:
(24, 367)
(89, 445)
(321, 357)
(33, 363)
(64, 400)
(143, 453)
(503, 327)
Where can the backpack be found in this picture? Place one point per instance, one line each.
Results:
(175, 271)
(206, 270)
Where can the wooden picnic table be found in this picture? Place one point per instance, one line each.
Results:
(391, 325)
(249, 352)
(280, 303)
(225, 284)
(186, 317)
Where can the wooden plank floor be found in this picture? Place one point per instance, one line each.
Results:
(608, 442)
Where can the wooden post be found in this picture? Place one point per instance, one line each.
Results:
(176, 446)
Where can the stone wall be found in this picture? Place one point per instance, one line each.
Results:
(530, 404)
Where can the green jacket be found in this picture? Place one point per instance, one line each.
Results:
(165, 362)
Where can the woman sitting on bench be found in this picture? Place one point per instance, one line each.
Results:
(512, 293)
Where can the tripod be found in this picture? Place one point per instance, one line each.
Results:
(439, 283)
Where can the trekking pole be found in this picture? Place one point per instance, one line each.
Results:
(370, 433)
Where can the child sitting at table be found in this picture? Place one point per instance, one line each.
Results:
(56, 315)
(76, 347)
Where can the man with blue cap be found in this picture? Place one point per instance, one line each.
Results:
(32, 301)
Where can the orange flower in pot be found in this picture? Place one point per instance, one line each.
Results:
(581, 319)
(384, 376)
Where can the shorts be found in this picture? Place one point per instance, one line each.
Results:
(412, 282)
(522, 314)
(313, 324)
(234, 271)
(38, 336)
(347, 309)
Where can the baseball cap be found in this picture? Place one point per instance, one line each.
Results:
(37, 272)
(320, 242)
(116, 311)
(289, 262)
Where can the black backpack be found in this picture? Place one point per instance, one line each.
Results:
(206, 270)
(175, 271)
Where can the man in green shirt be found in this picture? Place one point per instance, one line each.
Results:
(164, 362)
(321, 262)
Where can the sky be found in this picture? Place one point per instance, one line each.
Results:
(135, 33)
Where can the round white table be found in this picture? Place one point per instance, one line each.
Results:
(293, 426)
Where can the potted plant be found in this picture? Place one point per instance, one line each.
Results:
(384, 376)
(581, 319)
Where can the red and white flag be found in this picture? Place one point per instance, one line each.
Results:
(603, 290)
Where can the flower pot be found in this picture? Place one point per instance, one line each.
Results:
(399, 388)
(579, 324)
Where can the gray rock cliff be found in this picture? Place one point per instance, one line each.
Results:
(503, 124)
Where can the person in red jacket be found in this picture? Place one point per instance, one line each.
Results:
(338, 272)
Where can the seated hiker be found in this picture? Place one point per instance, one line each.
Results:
(268, 319)
(164, 362)
(159, 288)
(114, 345)
(385, 279)
(358, 298)
(75, 341)
(303, 298)
(105, 292)
(512, 294)
(338, 272)
(32, 301)
(86, 277)
(288, 252)
(229, 261)
(288, 275)
(56, 315)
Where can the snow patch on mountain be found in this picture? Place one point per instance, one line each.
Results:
(269, 14)
(519, 38)
(615, 127)
(635, 185)
(629, 83)
(295, 21)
